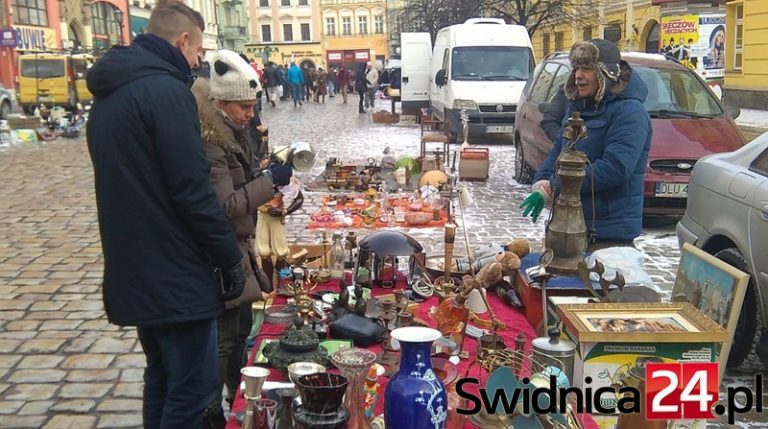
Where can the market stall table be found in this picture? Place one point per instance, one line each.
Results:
(513, 319)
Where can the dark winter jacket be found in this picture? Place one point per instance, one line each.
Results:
(162, 228)
(617, 145)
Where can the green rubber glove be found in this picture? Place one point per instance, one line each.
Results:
(533, 204)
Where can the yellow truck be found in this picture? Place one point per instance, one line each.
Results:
(53, 80)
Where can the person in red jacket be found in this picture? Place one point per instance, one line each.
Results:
(343, 79)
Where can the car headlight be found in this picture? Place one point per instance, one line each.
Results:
(464, 104)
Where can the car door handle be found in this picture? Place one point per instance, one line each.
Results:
(525, 115)
(764, 213)
(405, 79)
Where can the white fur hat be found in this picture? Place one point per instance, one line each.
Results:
(232, 78)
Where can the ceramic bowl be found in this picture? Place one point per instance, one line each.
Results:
(298, 369)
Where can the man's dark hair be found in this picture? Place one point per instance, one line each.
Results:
(171, 18)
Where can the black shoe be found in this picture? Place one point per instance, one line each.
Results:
(273, 104)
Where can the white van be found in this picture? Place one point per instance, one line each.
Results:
(480, 66)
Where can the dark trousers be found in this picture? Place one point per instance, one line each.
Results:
(180, 379)
(362, 99)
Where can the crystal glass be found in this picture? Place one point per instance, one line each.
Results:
(354, 364)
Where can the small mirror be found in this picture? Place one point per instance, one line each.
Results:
(440, 78)
(734, 111)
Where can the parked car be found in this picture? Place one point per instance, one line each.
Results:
(6, 102)
(727, 216)
(688, 122)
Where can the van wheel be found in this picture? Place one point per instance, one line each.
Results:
(523, 172)
(5, 110)
(744, 336)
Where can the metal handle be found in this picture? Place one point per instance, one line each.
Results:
(405, 79)
(764, 213)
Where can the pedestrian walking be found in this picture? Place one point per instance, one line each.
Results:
(332, 82)
(322, 84)
(164, 235)
(296, 80)
(343, 78)
(271, 82)
(361, 86)
(225, 105)
(372, 81)
(308, 88)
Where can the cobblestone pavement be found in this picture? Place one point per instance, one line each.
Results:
(63, 366)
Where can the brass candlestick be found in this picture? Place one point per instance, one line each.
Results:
(386, 357)
(445, 284)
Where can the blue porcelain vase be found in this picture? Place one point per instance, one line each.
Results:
(415, 397)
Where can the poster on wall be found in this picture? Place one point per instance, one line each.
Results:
(697, 41)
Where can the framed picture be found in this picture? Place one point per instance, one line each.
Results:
(669, 322)
(713, 287)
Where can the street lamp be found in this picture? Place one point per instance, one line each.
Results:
(118, 15)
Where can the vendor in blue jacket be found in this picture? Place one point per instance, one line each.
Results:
(610, 98)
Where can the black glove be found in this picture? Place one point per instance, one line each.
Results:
(281, 173)
(232, 282)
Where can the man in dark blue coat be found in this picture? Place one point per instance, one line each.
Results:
(610, 98)
(162, 228)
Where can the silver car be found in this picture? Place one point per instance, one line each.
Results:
(727, 216)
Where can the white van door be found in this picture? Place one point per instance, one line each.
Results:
(416, 54)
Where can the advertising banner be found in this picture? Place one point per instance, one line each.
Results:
(697, 41)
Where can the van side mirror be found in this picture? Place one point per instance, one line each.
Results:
(440, 78)
(734, 111)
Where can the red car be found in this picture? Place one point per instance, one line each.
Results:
(687, 118)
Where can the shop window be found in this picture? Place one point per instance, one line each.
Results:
(362, 25)
(545, 44)
(30, 12)
(346, 25)
(330, 26)
(738, 45)
(305, 32)
(287, 32)
(266, 33)
(378, 24)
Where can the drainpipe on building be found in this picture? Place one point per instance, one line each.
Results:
(629, 28)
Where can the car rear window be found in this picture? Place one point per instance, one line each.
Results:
(41, 68)
(677, 92)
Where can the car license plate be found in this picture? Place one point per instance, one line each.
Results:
(672, 190)
(499, 129)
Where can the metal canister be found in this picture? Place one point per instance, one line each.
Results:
(554, 351)
(636, 378)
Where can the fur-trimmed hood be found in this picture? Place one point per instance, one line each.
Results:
(214, 126)
(605, 85)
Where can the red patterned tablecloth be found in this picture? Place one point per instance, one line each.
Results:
(513, 319)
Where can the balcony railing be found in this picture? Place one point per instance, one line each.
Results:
(234, 32)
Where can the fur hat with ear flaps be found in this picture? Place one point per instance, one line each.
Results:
(596, 54)
(232, 78)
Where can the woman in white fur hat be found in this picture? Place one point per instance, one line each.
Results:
(225, 105)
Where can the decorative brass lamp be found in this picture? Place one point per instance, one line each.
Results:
(566, 232)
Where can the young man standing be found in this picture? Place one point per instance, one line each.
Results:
(163, 233)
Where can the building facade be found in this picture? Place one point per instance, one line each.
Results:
(355, 31)
(140, 11)
(285, 31)
(746, 69)
(233, 24)
(207, 9)
(52, 25)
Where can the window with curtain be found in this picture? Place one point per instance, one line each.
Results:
(285, 2)
(104, 21)
(545, 44)
(263, 3)
(559, 41)
(362, 25)
(346, 25)
(330, 26)
(288, 32)
(30, 12)
(378, 24)
(303, 2)
(305, 32)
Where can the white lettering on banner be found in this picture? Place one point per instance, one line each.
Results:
(361, 55)
(334, 56)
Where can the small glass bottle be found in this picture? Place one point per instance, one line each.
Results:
(337, 256)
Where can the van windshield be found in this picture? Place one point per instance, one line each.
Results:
(491, 63)
(42, 68)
